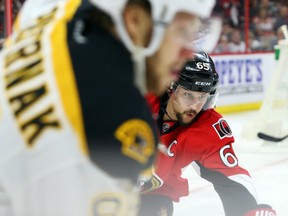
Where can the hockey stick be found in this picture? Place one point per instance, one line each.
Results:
(271, 138)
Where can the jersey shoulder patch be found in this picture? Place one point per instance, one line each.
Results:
(222, 128)
(137, 140)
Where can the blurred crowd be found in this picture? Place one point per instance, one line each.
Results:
(16, 6)
(263, 32)
(265, 18)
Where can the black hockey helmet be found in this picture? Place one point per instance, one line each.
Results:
(199, 74)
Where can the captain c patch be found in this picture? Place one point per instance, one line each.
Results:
(222, 128)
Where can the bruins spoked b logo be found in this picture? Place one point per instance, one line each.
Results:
(137, 140)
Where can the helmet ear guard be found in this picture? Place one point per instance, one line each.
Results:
(171, 88)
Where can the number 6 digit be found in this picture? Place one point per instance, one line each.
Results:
(225, 157)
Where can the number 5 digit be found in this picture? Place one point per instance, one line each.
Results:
(206, 66)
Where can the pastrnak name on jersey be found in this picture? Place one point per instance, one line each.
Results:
(26, 81)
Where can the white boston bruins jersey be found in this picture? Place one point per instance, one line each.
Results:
(44, 168)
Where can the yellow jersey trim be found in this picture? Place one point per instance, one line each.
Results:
(64, 73)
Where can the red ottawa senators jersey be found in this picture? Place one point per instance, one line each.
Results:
(207, 143)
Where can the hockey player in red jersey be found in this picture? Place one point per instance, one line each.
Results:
(192, 132)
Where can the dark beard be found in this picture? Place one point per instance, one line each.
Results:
(179, 117)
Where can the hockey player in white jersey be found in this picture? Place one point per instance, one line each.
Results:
(75, 131)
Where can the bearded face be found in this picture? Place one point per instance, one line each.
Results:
(186, 104)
